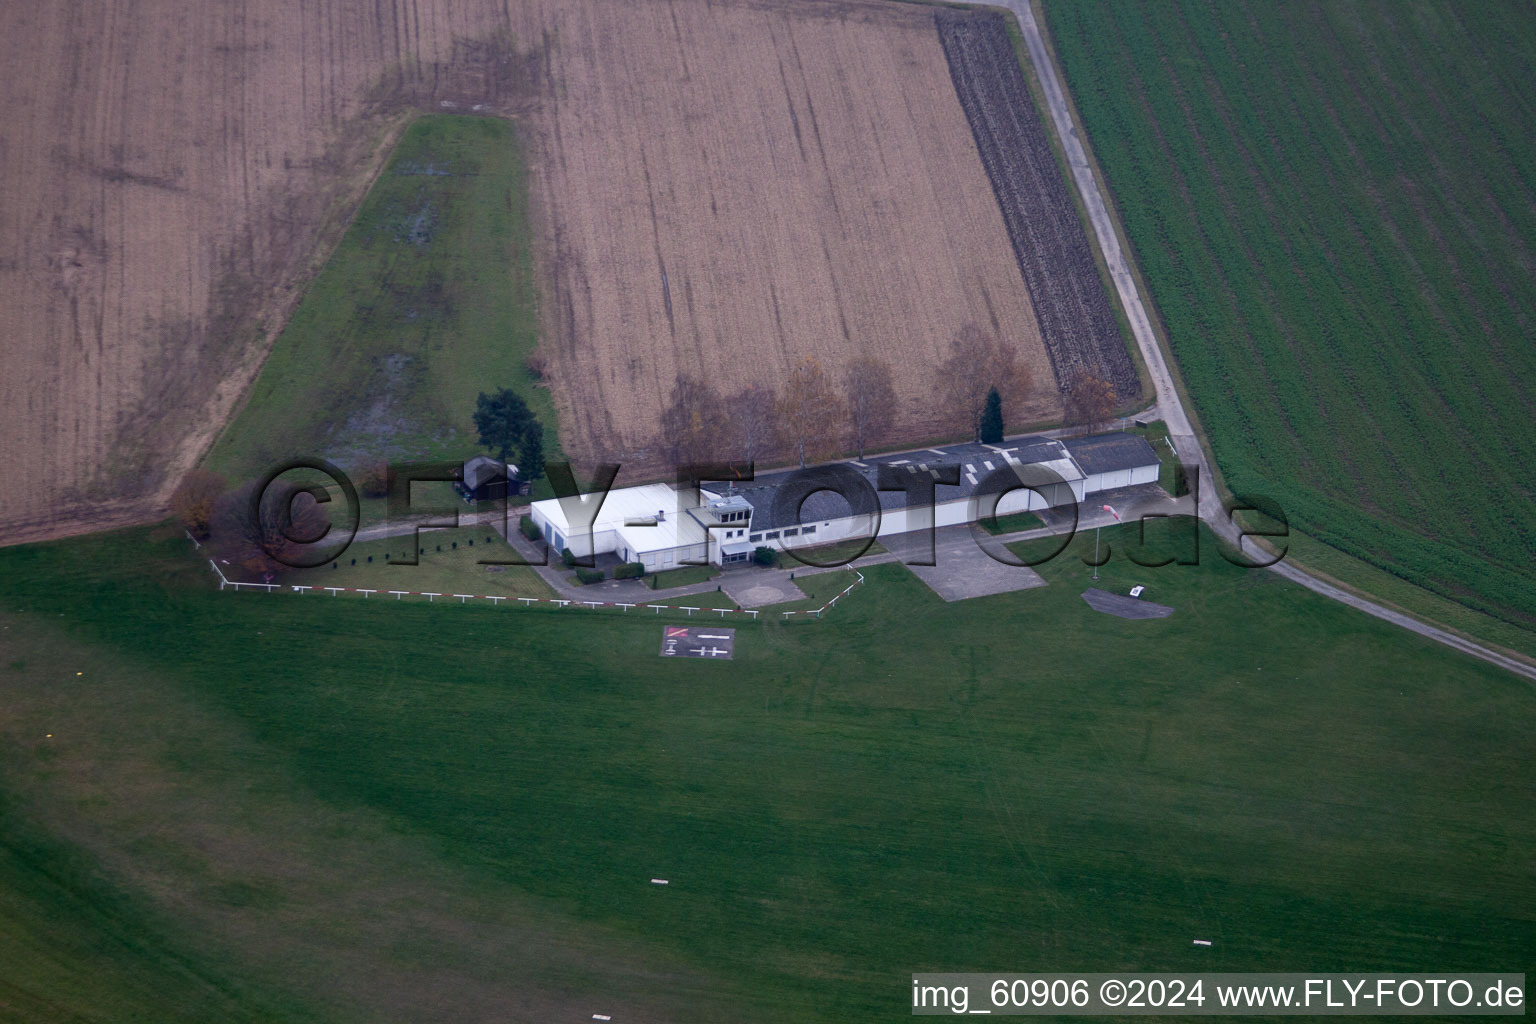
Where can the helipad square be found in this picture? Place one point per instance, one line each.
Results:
(697, 642)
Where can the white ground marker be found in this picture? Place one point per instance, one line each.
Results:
(1202, 942)
(659, 881)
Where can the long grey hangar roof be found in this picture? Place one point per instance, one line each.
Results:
(972, 464)
(1108, 453)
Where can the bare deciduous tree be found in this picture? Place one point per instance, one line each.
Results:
(1089, 401)
(754, 425)
(977, 363)
(693, 421)
(194, 499)
(871, 400)
(810, 412)
(271, 536)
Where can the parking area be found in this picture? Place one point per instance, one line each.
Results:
(961, 569)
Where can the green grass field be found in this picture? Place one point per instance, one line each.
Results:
(686, 576)
(304, 808)
(1334, 208)
(428, 300)
(1013, 523)
(450, 564)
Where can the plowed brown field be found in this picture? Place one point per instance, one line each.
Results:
(728, 189)
(719, 189)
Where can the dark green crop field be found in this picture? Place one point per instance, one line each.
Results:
(285, 807)
(428, 300)
(1334, 205)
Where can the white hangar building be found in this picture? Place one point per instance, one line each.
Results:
(661, 525)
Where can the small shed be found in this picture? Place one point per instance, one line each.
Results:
(487, 479)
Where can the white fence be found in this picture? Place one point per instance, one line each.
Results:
(496, 599)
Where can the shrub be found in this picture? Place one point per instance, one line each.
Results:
(585, 576)
(194, 499)
(629, 571)
(765, 556)
(375, 481)
(529, 527)
(566, 558)
(1180, 482)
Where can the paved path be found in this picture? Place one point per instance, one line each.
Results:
(1169, 405)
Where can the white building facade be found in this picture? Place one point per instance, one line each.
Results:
(663, 526)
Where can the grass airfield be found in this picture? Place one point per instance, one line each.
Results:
(306, 808)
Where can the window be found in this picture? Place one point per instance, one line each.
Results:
(756, 537)
(792, 533)
(808, 529)
(771, 535)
